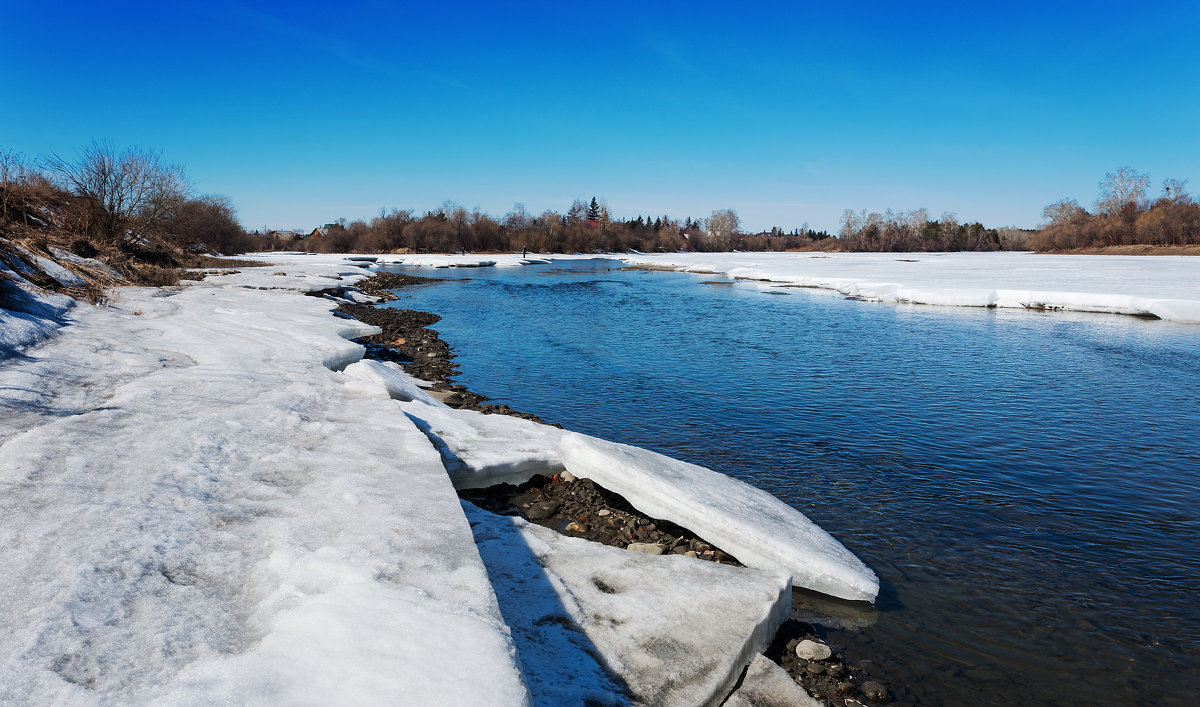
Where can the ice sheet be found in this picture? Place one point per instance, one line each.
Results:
(752, 525)
(768, 685)
(195, 509)
(669, 629)
(392, 379)
(482, 450)
(1164, 286)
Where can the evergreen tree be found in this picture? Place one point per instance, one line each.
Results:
(593, 212)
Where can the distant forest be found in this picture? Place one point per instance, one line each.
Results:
(587, 227)
(118, 199)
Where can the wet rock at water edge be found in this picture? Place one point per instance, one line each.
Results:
(811, 650)
(874, 691)
(541, 510)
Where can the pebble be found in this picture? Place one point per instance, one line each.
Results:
(543, 510)
(874, 691)
(847, 687)
(811, 650)
(574, 527)
(566, 477)
(647, 548)
(816, 668)
(603, 512)
(691, 553)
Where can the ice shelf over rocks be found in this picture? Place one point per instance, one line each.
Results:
(668, 630)
(768, 685)
(752, 525)
(483, 450)
(392, 378)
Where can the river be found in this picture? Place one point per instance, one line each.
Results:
(1026, 485)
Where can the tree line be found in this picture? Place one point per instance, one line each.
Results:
(116, 200)
(1123, 215)
(584, 227)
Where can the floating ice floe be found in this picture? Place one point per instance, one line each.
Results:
(592, 621)
(752, 525)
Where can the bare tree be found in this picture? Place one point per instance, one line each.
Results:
(1121, 188)
(1173, 191)
(723, 228)
(1062, 212)
(129, 192)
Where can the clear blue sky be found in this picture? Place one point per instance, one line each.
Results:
(788, 112)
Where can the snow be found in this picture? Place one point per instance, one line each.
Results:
(576, 608)
(483, 450)
(398, 384)
(752, 525)
(768, 685)
(64, 277)
(502, 260)
(206, 496)
(88, 264)
(1167, 287)
(196, 509)
(28, 313)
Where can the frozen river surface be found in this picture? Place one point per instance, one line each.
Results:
(1026, 484)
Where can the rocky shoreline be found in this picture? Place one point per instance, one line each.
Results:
(581, 508)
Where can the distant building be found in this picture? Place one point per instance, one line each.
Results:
(322, 231)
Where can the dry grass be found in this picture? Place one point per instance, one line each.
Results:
(1130, 250)
(200, 260)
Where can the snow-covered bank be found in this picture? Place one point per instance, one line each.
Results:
(206, 497)
(197, 508)
(1167, 287)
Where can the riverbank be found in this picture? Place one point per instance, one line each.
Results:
(209, 495)
(580, 508)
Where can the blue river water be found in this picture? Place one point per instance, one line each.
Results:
(1026, 485)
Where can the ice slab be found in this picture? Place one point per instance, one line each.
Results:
(768, 685)
(752, 525)
(1167, 287)
(483, 450)
(391, 378)
(590, 619)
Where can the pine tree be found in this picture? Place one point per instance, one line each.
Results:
(593, 212)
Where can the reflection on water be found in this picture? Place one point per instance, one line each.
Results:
(1026, 485)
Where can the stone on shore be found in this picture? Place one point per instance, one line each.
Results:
(811, 650)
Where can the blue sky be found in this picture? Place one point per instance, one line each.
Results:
(787, 112)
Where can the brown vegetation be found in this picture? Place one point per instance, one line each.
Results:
(129, 210)
(1123, 217)
(583, 228)
(907, 231)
